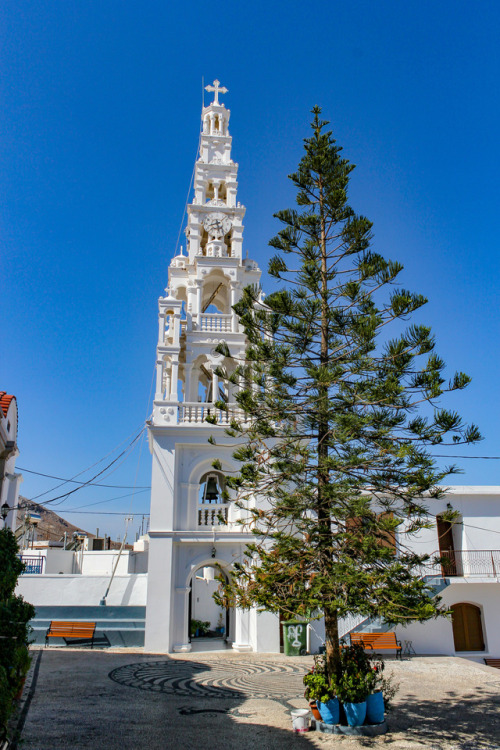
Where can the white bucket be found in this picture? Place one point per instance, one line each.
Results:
(300, 720)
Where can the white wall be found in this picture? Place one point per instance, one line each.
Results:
(78, 590)
(479, 508)
(436, 636)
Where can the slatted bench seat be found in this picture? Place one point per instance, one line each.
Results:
(78, 632)
(377, 641)
(492, 663)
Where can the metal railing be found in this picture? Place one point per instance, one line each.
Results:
(458, 563)
(34, 565)
(212, 515)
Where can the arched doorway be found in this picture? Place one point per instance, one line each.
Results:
(467, 627)
(208, 622)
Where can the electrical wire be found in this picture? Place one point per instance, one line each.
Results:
(80, 487)
(85, 470)
(477, 458)
(93, 484)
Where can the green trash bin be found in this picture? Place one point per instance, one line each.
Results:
(295, 637)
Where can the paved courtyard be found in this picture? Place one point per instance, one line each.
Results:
(119, 700)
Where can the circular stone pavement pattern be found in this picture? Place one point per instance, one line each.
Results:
(218, 679)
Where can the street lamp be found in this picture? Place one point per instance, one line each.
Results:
(4, 512)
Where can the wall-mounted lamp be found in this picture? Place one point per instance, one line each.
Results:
(4, 512)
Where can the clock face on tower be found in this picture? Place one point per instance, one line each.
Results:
(217, 225)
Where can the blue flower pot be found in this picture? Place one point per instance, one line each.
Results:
(355, 713)
(375, 708)
(329, 711)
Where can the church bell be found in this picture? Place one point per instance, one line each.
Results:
(211, 489)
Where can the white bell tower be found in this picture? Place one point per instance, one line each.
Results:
(191, 527)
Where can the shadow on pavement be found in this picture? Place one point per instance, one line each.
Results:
(87, 700)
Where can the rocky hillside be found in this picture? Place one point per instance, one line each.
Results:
(51, 526)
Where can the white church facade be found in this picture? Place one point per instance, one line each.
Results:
(191, 528)
(170, 608)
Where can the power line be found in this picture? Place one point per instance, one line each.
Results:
(84, 470)
(85, 484)
(485, 458)
(107, 513)
(93, 484)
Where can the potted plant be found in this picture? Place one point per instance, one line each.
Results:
(383, 691)
(220, 627)
(354, 683)
(375, 706)
(319, 692)
(199, 628)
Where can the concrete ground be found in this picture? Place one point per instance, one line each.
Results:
(116, 700)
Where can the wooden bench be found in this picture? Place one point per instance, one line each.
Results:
(376, 641)
(79, 632)
(492, 663)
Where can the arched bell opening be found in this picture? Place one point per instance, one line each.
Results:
(215, 297)
(213, 510)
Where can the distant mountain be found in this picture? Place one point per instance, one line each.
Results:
(51, 527)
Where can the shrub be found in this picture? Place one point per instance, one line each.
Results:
(15, 615)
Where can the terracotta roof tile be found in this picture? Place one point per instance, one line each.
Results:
(5, 400)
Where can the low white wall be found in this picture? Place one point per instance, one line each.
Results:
(77, 590)
(102, 562)
(56, 559)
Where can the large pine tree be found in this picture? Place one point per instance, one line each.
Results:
(338, 418)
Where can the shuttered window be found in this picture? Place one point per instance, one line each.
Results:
(467, 627)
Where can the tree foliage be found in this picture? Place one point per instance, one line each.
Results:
(337, 417)
(15, 615)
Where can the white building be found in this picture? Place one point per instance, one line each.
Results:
(9, 479)
(469, 582)
(191, 528)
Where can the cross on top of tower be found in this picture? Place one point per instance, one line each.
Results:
(217, 89)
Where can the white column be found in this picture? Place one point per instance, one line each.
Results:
(188, 396)
(159, 380)
(174, 381)
(161, 328)
(215, 387)
(234, 319)
(199, 285)
(177, 328)
(181, 625)
(241, 630)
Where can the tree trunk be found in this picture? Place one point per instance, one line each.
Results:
(332, 646)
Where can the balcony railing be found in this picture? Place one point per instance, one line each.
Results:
(212, 515)
(465, 563)
(197, 413)
(216, 323)
(34, 565)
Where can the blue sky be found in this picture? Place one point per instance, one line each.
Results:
(100, 107)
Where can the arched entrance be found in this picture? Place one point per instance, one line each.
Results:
(467, 627)
(208, 622)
